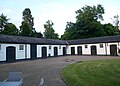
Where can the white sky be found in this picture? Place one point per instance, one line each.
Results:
(59, 11)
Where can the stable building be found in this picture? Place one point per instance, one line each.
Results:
(13, 48)
(108, 45)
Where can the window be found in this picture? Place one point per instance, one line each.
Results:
(21, 47)
(86, 46)
(101, 45)
(50, 47)
(0, 46)
(60, 47)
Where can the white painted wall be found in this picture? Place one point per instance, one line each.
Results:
(49, 51)
(100, 51)
(20, 54)
(108, 47)
(28, 50)
(2, 53)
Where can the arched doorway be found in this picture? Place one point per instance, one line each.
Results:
(79, 50)
(44, 52)
(93, 50)
(64, 50)
(10, 54)
(72, 50)
(55, 51)
(113, 50)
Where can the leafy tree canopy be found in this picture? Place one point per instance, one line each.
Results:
(49, 31)
(26, 29)
(88, 13)
(3, 21)
(111, 30)
(88, 24)
(10, 29)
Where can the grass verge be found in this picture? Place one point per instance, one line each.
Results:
(93, 73)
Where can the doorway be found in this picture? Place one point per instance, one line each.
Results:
(72, 50)
(33, 51)
(10, 54)
(79, 50)
(113, 50)
(93, 50)
(44, 52)
(55, 51)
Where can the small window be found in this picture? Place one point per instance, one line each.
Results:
(0, 47)
(21, 47)
(86, 46)
(101, 45)
(49, 47)
(60, 47)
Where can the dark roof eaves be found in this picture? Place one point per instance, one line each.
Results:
(33, 40)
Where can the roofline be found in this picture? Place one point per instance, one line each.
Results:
(61, 42)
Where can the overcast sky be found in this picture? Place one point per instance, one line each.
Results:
(59, 11)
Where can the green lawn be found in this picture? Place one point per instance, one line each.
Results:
(93, 73)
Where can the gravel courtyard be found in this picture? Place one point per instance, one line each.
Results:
(48, 69)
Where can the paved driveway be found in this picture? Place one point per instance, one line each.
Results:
(49, 69)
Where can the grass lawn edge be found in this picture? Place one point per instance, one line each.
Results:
(62, 75)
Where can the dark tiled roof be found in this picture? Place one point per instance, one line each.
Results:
(33, 40)
(105, 39)
(28, 40)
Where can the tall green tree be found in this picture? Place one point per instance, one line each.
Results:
(3, 21)
(10, 29)
(90, 13)
(87, 23)
(111, 30)
(49, 31)
(70, 31)
(26, 29)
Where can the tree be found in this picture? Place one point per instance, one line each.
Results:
(26, 29)
(49, 31)
(87, 23)
(116, 21)
(10, 29)
(88, 13)
(111, 30)
(3, 21)
(39, 35)
(70, 31)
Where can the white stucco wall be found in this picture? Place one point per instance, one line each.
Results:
(20, 54)
(2, 53)
(49, 51)
(108, 47)
(100, 51)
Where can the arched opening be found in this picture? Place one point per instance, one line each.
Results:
(44, 52)
(113, 50)
(64, 50)
(93, 50)
(72, 50)
(55, 51)
(10, 54)
(79, 50)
